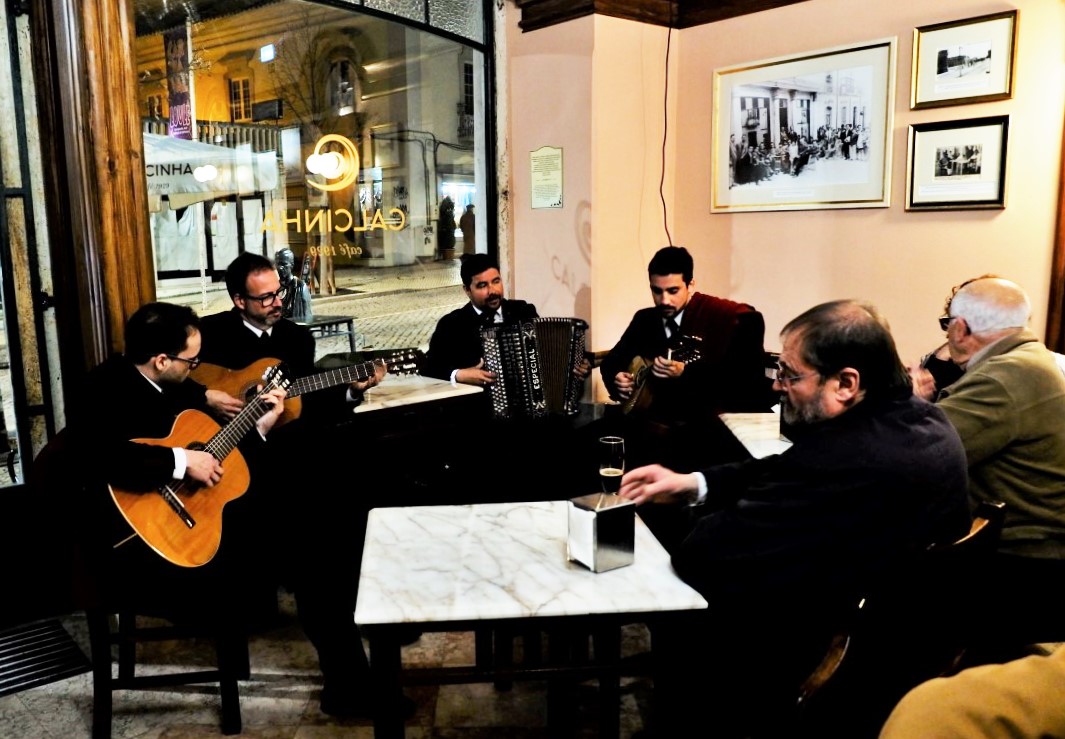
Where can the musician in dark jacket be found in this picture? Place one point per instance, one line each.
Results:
(316, 531)
(139, 395)
(785, 545)
(254, 329)
(713, 361)
(455, 349)
(456, 353)
(676, 366)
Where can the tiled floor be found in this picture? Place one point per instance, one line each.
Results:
(280, 700)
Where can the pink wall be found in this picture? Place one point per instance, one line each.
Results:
(904, 262)
(550, 84)
(595, 87)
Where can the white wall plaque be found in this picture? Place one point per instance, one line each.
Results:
(545, 173)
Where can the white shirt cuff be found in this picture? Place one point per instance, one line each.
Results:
(181, 463)
(700, 495)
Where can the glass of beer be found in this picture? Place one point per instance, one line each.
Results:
(611, 463)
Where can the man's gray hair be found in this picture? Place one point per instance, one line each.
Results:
(992, 304)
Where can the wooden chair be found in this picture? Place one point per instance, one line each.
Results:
(87, 581)
(912, 621)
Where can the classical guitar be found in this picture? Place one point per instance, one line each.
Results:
(243, 383)
(181, 521)
(688, 350)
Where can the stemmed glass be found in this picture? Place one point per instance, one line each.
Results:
(611, 463)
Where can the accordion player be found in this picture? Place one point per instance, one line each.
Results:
(535, 363)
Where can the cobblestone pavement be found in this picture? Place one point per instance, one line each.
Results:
(393, 307)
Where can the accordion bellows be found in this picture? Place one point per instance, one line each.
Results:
(535, 364)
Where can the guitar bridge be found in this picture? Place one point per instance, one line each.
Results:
(177, 506)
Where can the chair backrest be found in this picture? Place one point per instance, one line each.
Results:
(941, 575)
(984, 533)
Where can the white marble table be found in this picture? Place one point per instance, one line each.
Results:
(403, 390)
(461, 568)
(758, 432)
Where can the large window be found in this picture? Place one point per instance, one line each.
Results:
(335, 132)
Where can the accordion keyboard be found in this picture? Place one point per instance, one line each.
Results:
(535, 362)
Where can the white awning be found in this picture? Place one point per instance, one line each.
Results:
(189, 172)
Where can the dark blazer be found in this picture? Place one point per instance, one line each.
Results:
(124, 405)
(227, 342)
(134, 410)
(851, 497)
(730, 376)
(456, 341)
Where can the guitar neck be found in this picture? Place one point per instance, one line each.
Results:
(331, 378)
(227, 438)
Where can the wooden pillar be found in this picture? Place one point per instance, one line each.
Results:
(94, 162)
(1055, 333)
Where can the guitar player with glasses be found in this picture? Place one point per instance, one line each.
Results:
(316, 526)
(137, 413)
(680, 363)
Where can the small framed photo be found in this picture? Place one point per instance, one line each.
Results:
(966, 61)
(804, 132)
(957, 165)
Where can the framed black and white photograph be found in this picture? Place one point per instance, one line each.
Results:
(965, 61)
(804, 132)
(957, 165)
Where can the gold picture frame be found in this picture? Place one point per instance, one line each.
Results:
(805, 132)
(957, 165)
(964, 61)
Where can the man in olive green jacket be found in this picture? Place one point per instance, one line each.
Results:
(1009, 409)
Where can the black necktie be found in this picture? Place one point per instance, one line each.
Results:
(674, 329)
(488, 317)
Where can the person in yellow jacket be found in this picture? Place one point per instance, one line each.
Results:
(1022, 698)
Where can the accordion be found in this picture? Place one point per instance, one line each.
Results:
(534, 362)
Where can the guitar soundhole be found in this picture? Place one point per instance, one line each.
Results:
(197, 446)
(249, 393)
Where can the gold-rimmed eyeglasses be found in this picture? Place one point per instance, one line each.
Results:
(787, 380)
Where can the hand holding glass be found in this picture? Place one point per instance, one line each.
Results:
(611, 463)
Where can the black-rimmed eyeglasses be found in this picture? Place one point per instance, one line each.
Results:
(192, 363)
(269, 298)
(944, 321)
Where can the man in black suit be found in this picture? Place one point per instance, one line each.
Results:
(254, 328)
(728, 373)
(317, 532)
(139, 395)
(680, 363)
(782, 547)
(456, 353)
(455, 349)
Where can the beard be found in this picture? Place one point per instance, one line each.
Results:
(806, 414)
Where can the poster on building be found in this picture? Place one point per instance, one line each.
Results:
(176, 44)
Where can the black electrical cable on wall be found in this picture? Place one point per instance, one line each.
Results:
(665, 132)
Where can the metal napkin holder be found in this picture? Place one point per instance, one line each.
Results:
(602, 531)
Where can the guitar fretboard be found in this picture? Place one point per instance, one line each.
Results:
(226, 440)
(331, 378)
